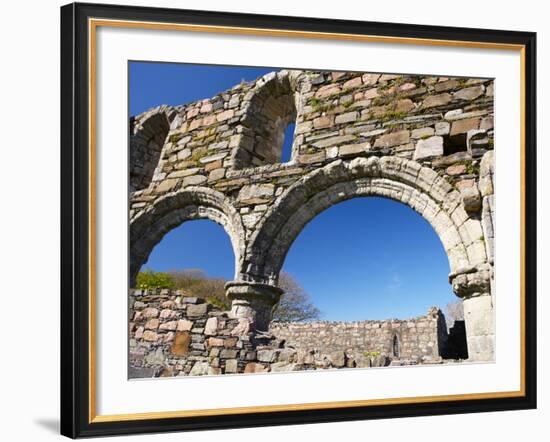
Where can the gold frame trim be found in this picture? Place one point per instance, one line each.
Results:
(93, 24)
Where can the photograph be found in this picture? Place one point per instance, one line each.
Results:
(275, 220)
(286, 220)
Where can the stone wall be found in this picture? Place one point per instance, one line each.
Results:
(424, 141)
(172, 334)
(417, 339)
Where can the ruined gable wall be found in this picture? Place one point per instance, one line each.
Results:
(419, 339)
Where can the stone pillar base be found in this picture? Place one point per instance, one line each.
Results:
(253, 301)
(480, 332)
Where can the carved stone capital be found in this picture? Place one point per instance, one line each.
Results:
(253, 300)
(471, 281)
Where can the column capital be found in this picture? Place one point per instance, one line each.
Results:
(471, 281)
(253, 300)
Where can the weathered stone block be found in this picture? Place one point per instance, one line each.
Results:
(222, 116)
(211, 158)
(215, 342)
(168, 314)
(470, 93)
(446, 85)
(456, 169)
(216, 174)
(348, 117)
(338, 359)
(428, 148)
(256, 191)
(404, 105)
(150, 312)
(463, 126)
(392, 139)
(422, 132)
(442, 128)
(323, 122)
(327, 91)
(254, 367)
(211, 326)
(172, 325)
(437, 100)
(281, 367)
(231, 366)
(370, 79)
(227, 353)
(196, 310)
(152, 324)
(199, 369)
(150, 336)
(353, 83)
(194, 180)
(312, 158)
(266, 355)
(333, 141)
(353, 149)
(184, 325)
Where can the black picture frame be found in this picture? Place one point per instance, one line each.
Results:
(75, 219)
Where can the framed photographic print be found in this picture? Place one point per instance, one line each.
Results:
(275, 220)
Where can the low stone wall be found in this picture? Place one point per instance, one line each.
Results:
(172, 334)
(416, 339)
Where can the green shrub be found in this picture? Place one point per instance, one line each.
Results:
(150, 279)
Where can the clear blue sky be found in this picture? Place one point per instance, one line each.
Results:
(377, 258)
(153, 84)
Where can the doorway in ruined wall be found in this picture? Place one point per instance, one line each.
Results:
(395, 346)
(373, 259)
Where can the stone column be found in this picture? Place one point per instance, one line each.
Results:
(254, 301)
(479, 322)
(473, 285)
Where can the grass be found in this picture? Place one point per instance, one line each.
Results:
(392, 115)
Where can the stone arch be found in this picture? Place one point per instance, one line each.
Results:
(148, 133)
(399, 179)
(171, 210)
(271, 106)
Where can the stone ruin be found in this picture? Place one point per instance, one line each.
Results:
(424, 141)
(178, 335)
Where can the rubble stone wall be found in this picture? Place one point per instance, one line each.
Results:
(421, 338)
(172, 334)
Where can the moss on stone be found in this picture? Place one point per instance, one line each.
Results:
(174, 138)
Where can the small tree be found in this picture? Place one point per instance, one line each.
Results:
(295, 304)
(150, 279)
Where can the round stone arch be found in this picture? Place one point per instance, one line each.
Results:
(399, 179)
(148, 226)
(148, 133)
(402, 180)
(268, 108)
